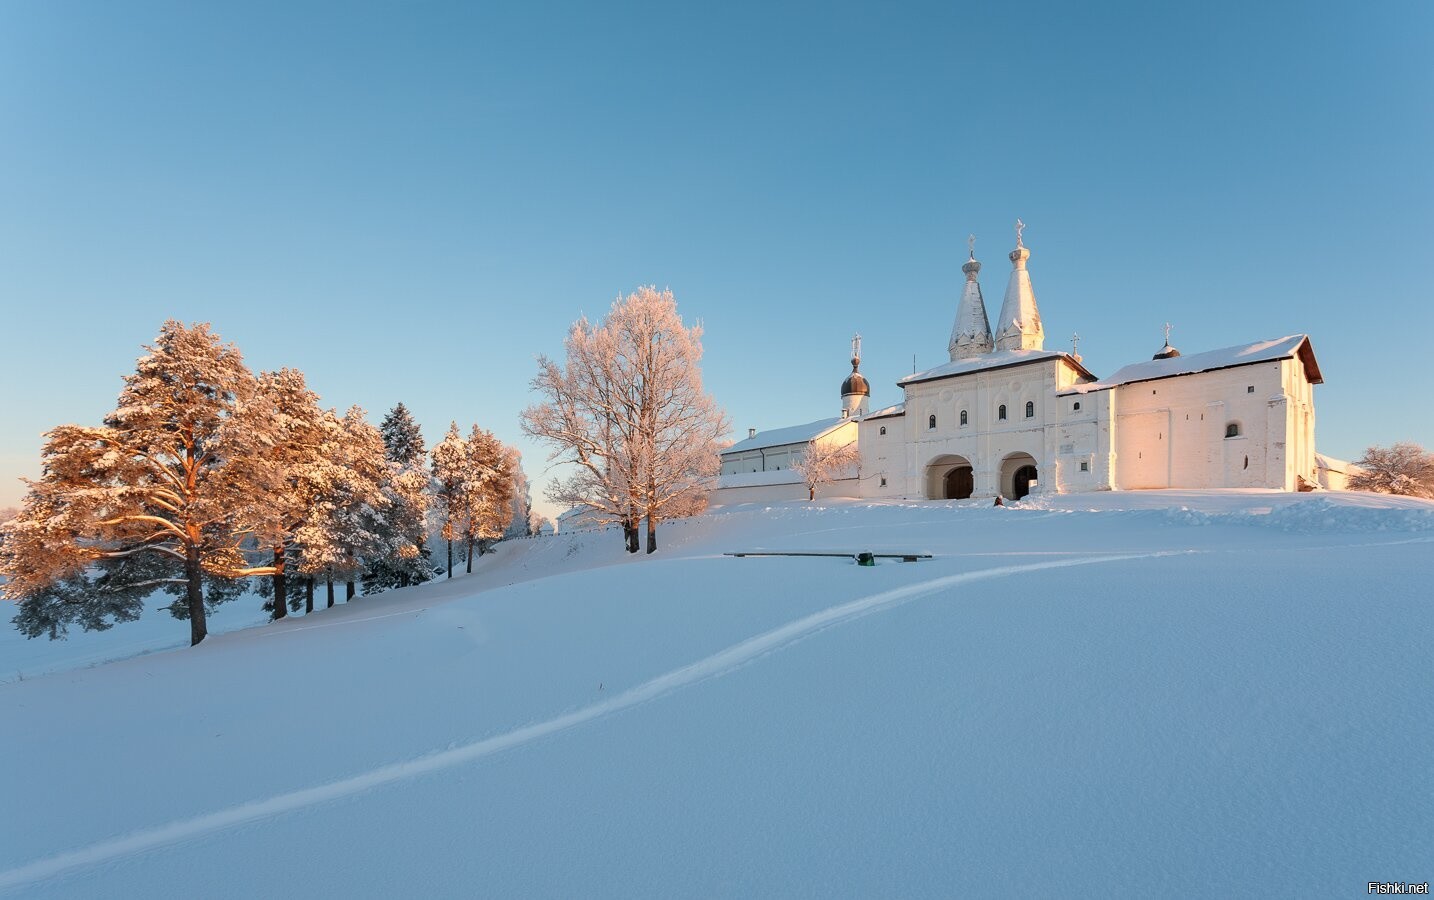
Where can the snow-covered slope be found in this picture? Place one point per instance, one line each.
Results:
(1129, 694)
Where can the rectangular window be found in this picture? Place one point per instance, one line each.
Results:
(1085, 466)
(1250, 389)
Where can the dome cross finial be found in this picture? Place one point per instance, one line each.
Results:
(855, 348)
(1020, 227)
(1168, 326)
(971, 244)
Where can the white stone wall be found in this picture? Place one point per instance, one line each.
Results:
(1172, 432)
(914, 454)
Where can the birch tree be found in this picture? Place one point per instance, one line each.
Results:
(823, 463)
(159, 496)
(629, 414)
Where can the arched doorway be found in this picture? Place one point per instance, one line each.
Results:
(949, 477)
(959, 483)
(1019, 475)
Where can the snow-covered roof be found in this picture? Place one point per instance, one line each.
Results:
(1224, 358)
(897, 410)
(1333, 463)
(792, 434)
(1001, 359)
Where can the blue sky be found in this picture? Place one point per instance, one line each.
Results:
(409, 201)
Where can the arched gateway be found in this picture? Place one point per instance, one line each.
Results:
(1018, 475)
(949, 478)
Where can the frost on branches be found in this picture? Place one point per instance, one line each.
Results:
(475, 486)
(627, 412)
(1404, 468)
(823, 463)
(160, 496)
(403, 557)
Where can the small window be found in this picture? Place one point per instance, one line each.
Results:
(1250, 389)
(1232, 430)
(883, 429)
(883, 481)
(1001, 412)
(1084, 466)
(964, 420)
(1076, 407)
(931, 422)
(1030, 409)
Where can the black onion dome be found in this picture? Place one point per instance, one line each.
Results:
(1166, 352)
(855, 382)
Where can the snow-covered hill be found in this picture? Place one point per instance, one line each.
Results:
(1125, 694)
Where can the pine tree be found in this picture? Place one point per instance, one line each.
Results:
(160, 496)
(487, 493)
(403, 558)
(402, 438)
(345, 522)
(450, 472)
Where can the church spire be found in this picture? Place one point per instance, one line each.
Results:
(971, 334)
(1020, 324)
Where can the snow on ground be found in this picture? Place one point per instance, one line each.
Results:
(1115, 694)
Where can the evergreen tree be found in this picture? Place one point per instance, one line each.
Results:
(160, 496)
(402, 438)
(403, 557)
(450, 473)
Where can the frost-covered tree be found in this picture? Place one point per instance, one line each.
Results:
(162, 495)
(450, 474)
(296, 466)
(402, 438)
(522, 498)
(823, 463)
(628, 412)
(403, 558)
(345, 524)
(487, 492)
(1403, 468)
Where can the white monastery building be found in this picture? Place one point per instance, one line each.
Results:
(1007, 417)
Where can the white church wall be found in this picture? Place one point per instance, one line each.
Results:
(1172, 432)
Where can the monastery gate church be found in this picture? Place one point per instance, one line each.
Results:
(1007, 417)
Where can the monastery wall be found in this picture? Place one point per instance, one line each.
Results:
(1175, 432)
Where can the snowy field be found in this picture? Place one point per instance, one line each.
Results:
(1125, 694)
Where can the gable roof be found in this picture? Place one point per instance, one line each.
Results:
(792, 434)
(1292, 346)
(887, 413)
(1003, 359)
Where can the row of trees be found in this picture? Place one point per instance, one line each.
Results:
(206, 474)
(626, 411)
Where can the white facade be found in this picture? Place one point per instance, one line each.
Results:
(1005, 418)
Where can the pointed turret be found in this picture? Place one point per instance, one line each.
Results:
(1020, 324)
(971, 334)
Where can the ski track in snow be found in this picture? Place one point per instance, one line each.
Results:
(718, 664)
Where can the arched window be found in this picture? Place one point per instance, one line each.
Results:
(883, 429)
(1076, 407)
(1030, 409)
(1001, 412)
(1232, 430)
(931, 423)
(964, 420)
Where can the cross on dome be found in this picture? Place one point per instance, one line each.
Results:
(1020, 227)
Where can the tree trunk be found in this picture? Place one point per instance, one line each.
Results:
(194, 593)
(651, 533)
(470, 555)
(629, 532)
(281, 585)
(329, 584)
(348, 591)
(308, 594)
(811, 493)
(450, 559)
